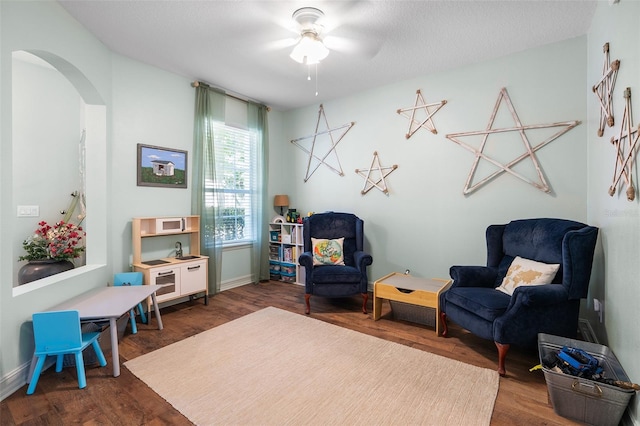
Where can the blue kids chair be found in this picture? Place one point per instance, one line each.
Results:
(131, 278)
(58, 333)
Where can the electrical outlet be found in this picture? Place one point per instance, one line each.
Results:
(599, 308)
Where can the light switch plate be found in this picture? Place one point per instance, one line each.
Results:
(28, 211)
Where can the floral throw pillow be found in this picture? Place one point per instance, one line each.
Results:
(527, 272)
(327, 252)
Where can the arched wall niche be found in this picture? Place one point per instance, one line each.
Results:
(88, 116)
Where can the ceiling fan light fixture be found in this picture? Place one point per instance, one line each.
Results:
(310, 49)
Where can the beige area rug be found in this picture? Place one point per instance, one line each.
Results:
(274, 367)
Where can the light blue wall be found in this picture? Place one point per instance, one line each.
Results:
(425, 223)
(617, 271)
(44, 26)
(150, 107)
(42, 92)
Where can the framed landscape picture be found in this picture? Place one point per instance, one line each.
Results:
(158, 166)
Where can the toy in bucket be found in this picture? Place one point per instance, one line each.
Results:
(578, 362)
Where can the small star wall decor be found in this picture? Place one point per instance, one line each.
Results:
(429, 109)
(604, 90)
(625, 153)
(316, 160)
(379, 180)
(519, 129)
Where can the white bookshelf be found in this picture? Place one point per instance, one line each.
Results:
(285, 246)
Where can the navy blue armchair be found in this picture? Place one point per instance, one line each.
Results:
(335, 280)
(473, 302)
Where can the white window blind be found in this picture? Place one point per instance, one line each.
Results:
(235, 156)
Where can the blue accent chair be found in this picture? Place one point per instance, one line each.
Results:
(131, 278)
(58, 333)
(473, 303)
(336, 280)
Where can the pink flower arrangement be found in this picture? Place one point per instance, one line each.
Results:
(59, 242)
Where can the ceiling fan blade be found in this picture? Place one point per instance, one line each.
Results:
(366, 48)
(281, 44)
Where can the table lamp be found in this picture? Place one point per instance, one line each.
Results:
(281, 201)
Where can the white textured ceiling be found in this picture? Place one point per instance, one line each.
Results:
(243, 46)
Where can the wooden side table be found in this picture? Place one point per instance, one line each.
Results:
(408, 289)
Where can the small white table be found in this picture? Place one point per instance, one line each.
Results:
(111, 303)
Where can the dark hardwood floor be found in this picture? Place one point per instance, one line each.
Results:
(125, 400)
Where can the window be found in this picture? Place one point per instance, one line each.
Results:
(235, 153)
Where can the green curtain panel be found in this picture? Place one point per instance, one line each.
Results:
(257, 120)
(209, 107)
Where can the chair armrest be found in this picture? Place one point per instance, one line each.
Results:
(473, 276)
(362, 259)
(534, 309)
(306, 259)
(538, 295)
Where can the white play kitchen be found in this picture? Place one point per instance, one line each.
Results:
(180, 275)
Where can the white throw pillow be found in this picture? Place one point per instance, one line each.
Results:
(527, 272)
(327, 252)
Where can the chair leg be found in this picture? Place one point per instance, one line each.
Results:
(82, 379)
(36, 374)
(142, 314)
(99, 354)
(503, 348)
(365, 298)
(443, 320)
(308, 305)
(59, 362)
(132, 316)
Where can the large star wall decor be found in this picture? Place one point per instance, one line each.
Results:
(625, 153)
(529, 150)
(379, 180)
(604, 89)
(316, 160)
(429, 109)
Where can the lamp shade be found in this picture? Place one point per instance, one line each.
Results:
(309, 50)
(281, 201)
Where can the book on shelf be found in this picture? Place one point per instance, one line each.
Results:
(287, 254)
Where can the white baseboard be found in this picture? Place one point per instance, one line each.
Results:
(14, 380)
(19, 377)
(236, 282)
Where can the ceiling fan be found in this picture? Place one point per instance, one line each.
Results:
(310, 48)
(318, 35)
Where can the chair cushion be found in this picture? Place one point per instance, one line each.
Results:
(327, 251)
(527, 272)
(329, 274)
(484, 302)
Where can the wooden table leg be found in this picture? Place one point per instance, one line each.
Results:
(377, 307)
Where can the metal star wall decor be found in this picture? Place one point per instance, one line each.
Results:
(379, 182)
(520, 129)
(625, 155)
(604, 89)
(427, 123)
(317, 159)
